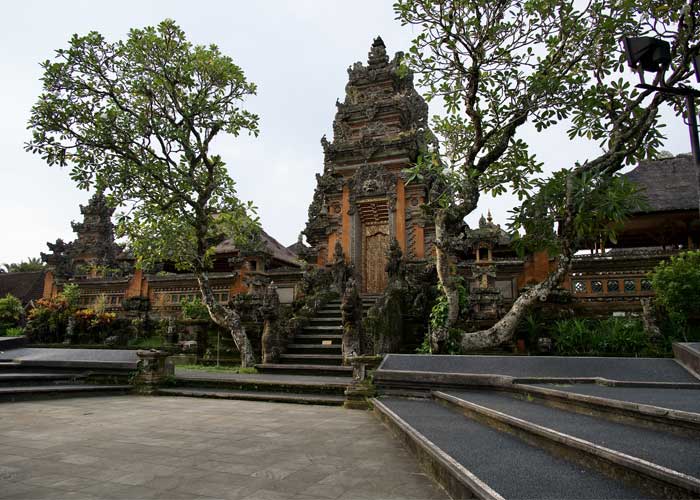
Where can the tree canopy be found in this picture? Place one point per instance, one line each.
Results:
(31, 264)
(500, 65)
(136, 120)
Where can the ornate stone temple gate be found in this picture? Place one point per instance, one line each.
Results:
(361, 199)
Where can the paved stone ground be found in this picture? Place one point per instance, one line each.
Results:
(134, 447)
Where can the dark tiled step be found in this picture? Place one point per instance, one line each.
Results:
(305, 369)
(475, 455)
(47, 391)
(665, 457)
(321, 359)
(276, 397)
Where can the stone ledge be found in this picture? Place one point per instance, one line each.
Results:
(657, 416)
(688, 357)
(457, 480)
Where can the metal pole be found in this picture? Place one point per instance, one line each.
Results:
(694, 142)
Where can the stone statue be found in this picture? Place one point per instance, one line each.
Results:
(339, 269)
(351, 308)
(395, 268)
(269, 310)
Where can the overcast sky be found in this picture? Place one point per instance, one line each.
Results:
(296, 51)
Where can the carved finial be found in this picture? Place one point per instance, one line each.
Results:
(489, 219)
(482, 221)
(300, 239)
(377, 53)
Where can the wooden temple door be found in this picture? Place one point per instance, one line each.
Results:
(375, 245)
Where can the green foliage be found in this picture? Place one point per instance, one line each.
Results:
(194, 309)
(438, 319)
(32, 264)
(440, 310)
(499, 66)
(11, 310)
(15, 331)
(135, 119)
(71, 294)
(600, 204)
(677, 286)
(155, 342)
(611, 336)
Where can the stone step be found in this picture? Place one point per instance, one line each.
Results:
(674, 409)
(471, 459)
(22, 393)
(323, 328)
(316, 338)
(328, 320)
(665, 464)
(275, 397)
(314, 349)
(305, 369)
(14, 379)
(312, 359)
(267, 382)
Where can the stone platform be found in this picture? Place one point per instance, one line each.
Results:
(119, 359)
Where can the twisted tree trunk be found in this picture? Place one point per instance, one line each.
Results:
(504, 329)
(447, 280)
(226, 318)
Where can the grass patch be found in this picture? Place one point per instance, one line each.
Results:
(147, 343)
(218, 369)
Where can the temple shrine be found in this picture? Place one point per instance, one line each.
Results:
(362, 199)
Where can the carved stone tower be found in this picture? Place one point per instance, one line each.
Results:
(361, 199)
(95, 244)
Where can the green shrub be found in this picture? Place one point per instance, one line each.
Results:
(677, 286)
(194, 309)
(611, 336)
(15, 331)
(11, 312)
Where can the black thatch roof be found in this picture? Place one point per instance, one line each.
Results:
(274, 247)
(25, 286)
(667, 184)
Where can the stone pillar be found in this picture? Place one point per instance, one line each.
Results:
(154, 367)
(351, 308)
(360, 390)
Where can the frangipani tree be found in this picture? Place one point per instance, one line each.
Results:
(136, 119)
(500, 65)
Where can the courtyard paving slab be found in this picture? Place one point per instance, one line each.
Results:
(131, 447)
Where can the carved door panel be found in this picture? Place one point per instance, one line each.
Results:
(375, 246)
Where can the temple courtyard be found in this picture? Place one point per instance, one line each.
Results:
(146, 447)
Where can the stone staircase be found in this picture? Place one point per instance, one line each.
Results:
(318, 350)
(494, 436)
(20, 382)
(310, 372)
